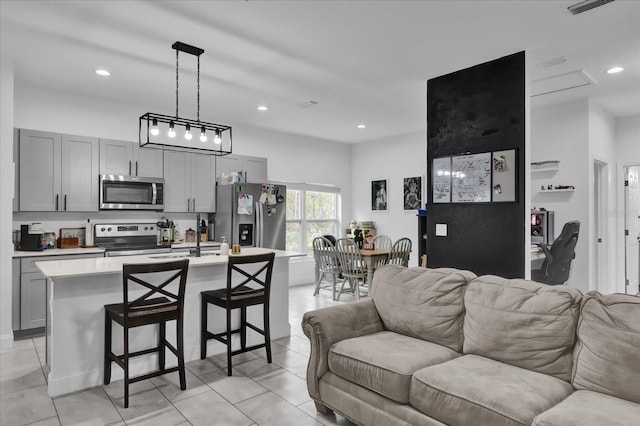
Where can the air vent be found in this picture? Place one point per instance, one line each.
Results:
(308, 104)
(583, 6)
(558, 83)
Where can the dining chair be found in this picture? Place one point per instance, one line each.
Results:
(326, 263)
(382, 242)
(248, 284)
(352, 266)
(400, 252)
(146, 310)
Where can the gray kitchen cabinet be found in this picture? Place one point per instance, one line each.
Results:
(57, 172)
(253, 169)
(127, 158)
(30, 307)
(15, 294)
(189, 182)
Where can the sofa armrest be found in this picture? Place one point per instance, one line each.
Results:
(326, 326)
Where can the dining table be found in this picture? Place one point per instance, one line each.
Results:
(371, 258)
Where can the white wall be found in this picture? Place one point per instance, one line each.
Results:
(628, 140)
(392, 159)
(602, 148)
(6, 197)
(578, 133)
(561, 132)
(627, 154)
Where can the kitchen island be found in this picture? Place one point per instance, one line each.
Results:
(77, 291)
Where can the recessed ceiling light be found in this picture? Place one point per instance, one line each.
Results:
(615, 70)
(361, 126)
(103, 73)
(262, 108)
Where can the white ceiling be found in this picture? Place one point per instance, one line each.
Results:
(362, 61)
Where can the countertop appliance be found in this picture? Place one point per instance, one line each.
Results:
(251, 214)
(127, 239)
(118, 192)
(31, 238)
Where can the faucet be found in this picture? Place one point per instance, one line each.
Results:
(196, 252)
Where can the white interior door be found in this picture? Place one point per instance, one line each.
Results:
(632, 229)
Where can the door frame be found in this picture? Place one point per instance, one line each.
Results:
(627, 289)
(600, 237)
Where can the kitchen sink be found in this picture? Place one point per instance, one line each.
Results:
(183, 255)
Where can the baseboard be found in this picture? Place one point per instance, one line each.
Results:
(6, 341)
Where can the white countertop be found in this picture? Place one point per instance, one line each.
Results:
(94, 250)
(58, 252)
(206, 244)
(110, 265)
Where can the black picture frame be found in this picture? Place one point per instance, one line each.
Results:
(379, 195)
(412, 191)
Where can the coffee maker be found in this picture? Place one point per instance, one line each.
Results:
(31, 237)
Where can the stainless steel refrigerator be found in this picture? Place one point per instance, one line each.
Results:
(251, 214)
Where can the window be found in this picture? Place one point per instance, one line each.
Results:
(312, 211)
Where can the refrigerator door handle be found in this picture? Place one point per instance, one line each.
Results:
(259, 225)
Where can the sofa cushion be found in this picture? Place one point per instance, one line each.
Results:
(384, 362)
(480, 391)
(607, 354)
(586, 408)
(522, 323)
(422, 303)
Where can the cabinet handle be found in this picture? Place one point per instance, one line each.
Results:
(65, 202)
(129, 167)
(136, 168)
(194, 204)
(57, 197)
(188, 204)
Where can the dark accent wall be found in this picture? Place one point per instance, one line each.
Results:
(478, 109)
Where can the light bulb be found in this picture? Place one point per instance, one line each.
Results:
(154, 130)
(187, 134)
(203, 135)
(171, 133)
(217, 138)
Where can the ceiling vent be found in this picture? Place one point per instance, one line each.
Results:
(308, 104)
(583, 6)
(558, 83)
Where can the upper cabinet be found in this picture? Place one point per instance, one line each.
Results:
(127, 158)
(252, 169)
(57, 172)
(189, 182)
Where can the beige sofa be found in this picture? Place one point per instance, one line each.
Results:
(444, 347)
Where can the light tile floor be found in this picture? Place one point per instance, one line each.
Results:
(258, 393)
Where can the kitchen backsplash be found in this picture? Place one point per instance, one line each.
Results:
(52, 221)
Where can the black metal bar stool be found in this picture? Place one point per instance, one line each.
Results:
(248, 284)
(145, 310)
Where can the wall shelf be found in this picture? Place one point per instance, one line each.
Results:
(545, 166)
(556, 190)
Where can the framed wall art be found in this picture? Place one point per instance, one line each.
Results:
(379, 194)
(441, 180)
(503, 169)
(412, 193)
(471, 178)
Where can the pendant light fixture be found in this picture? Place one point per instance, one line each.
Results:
(175, 132)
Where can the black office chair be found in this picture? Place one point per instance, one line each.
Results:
(145, 310)
(331, 238)
(557, 263)
(248, 284)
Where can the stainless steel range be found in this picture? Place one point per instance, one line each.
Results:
(126, 239)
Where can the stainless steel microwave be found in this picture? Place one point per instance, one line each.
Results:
(119, 192)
